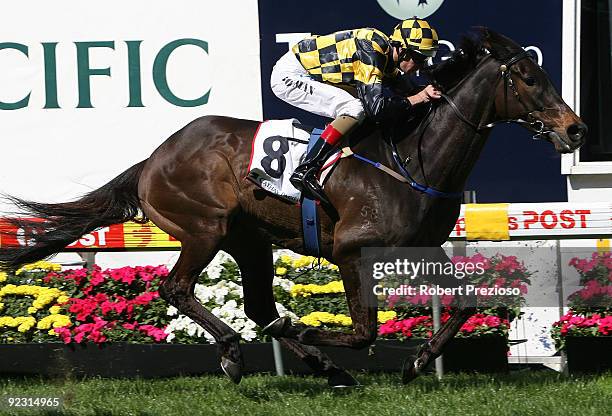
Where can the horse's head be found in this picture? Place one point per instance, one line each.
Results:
(524, 94)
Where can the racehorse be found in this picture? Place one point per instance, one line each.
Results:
(193, 187)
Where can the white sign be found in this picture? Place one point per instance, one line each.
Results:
(87, 90)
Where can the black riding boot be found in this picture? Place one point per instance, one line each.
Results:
(304, 178)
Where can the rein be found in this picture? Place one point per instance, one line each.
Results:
(535, 126)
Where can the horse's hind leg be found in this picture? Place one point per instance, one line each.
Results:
(178, 290)
(362, 305)
(257, 271)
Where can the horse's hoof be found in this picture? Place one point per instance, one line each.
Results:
(342, 379)
(409, 370)
(277, 327)
(231, 369)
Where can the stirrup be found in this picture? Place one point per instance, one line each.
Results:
(312, 191)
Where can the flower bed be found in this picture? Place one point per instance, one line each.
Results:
(117, 307)
(586, 330)
(123, 305)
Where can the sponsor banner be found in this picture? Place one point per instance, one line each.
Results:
(117, 237)
(88, 90)
(520, 221)
(563, 219)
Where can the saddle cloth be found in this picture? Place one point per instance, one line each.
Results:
(278, 148)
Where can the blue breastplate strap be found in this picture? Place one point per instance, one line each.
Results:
(310, 217)
(405, 177)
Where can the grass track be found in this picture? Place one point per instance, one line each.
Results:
(523, 393)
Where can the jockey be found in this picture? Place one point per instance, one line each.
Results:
(310, 75)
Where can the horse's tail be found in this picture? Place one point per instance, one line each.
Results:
(57, 225)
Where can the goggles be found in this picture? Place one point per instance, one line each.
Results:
(416, 56)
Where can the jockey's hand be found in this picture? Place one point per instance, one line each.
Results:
(432, 92)
(425, 95)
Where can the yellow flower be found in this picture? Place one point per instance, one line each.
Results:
(61, 320)
(286, 259)
(43, 296)
(32, 310)
(384, 316)
(54, 310)
(280, 271)
(306, 290)
(63, 299)
(2, 276)
(303, 261)
(40, 265)
(1, 306)
(23, 328)
(23, 323)
(54, 321)
(318, 318)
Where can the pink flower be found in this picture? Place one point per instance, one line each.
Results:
(124, 274)
(156, 333)
(96, 277)
(388, 327)
(485, 263)
(131, 326)
(145, 298)
(64, 333)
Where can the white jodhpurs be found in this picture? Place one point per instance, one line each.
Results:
(291, 83)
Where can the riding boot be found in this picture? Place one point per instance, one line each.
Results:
(304, 178)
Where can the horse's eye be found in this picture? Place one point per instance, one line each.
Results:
(530, 81)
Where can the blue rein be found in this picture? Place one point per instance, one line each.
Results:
(426, 189)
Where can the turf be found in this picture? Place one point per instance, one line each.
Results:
(521, 393)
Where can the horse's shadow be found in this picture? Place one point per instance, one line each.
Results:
(277, 387)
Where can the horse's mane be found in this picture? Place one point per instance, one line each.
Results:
(472, 48)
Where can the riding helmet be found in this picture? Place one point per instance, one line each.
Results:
(416, 34)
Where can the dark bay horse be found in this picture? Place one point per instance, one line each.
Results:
(193, 188)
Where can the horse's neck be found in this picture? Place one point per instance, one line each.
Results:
(450, 147)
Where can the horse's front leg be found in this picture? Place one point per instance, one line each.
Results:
(435, 346)
(362, 307)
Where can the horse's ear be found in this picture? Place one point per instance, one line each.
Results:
(486, 35)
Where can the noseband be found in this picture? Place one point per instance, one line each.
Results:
(532, 124)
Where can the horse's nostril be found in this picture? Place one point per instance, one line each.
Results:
(577, 130)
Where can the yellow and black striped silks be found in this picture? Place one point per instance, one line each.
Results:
(358, 57)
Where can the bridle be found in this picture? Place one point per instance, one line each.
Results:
(532, 124)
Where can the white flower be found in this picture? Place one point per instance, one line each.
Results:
(192, 329)
(214, 268)
(282, 311)
(285, 284)
(171, 311)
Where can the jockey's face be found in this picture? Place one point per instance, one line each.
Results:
(408, 66)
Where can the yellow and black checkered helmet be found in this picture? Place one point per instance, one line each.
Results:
(416, 34)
